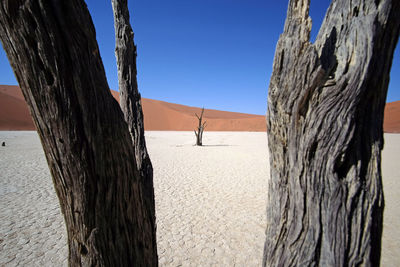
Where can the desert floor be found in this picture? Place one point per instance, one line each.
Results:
(210, 201)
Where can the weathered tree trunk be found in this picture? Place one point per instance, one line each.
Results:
(130, 102)
(200, 129)
(325, 116)
(52, 48)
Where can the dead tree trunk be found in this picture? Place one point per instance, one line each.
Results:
(52, 48)
(130, 102)
(200, 129)
(325, 116)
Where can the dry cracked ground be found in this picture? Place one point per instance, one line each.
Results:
(210, 201)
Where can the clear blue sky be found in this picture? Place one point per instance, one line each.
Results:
(212, 53)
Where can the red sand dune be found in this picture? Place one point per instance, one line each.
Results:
(163, 116)
(158, 115)
(391, 123)
(14, 113)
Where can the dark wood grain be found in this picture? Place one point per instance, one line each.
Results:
(107, 206)
(131, 106)
(325, 115)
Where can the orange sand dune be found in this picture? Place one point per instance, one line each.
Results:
(158, 115)
(14, 113)
(163, 116)
(391, 123)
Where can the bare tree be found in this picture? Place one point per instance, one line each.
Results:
(325, 115)
(101, 177)
(200, 129)
(130, 102)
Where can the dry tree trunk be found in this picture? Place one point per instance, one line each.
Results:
(325, 116)
(130, 102)
(200, 129)
(52, 48)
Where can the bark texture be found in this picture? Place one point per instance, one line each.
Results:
(130, 102)
(52, 48)
(325, 115)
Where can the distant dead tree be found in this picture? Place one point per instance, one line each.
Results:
(200, 129)
(95, 150)
(325, 135)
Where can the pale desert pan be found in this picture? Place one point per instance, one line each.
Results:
(210, 201)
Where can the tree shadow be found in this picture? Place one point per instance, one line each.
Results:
(218, 145)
